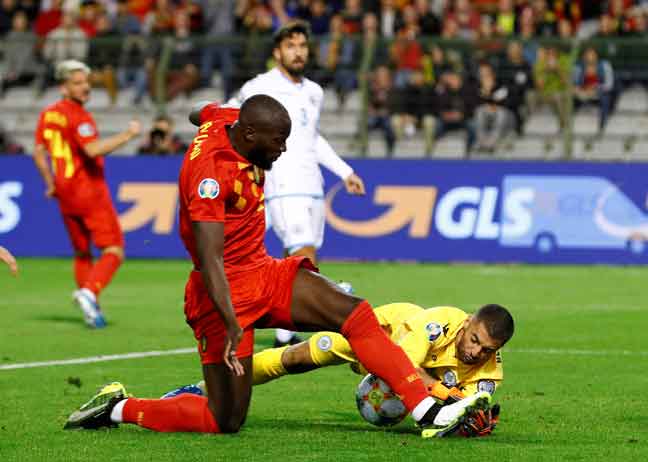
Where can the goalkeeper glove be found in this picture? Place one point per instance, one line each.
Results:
(480, 422)
(447, 395)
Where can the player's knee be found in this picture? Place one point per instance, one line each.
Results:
(229, 420)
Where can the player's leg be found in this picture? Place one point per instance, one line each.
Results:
(80, 239)
(290, 218)
(318, 303)
(103, 224)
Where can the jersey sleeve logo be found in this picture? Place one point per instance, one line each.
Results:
(86, 129)
(208, 188)
(486, 385)
(434, 331)
(450, 379)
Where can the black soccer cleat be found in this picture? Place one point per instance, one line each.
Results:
(294, 340)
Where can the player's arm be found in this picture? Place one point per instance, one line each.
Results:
(327, 156)
(103, 146)
(210, 243)
(416, 344)
(40, 159)
(9, 259)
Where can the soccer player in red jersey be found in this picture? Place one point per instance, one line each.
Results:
(68, 133)
(236, 287)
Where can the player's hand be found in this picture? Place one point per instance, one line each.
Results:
(9, 259)
(234, 334)
(134, 128)
(480, 422)
(354, 185)
(50, 191)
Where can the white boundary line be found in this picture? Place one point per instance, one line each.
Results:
(98, 359)
(183, 351)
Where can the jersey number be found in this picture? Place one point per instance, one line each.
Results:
(59, 149)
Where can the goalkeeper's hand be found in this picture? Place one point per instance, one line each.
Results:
(445, 394)
(480, 422)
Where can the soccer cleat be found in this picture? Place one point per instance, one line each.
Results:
(87, 303)
(193, 389)
(294, 340)
(346, 287)
(451, 416)
(96, 412)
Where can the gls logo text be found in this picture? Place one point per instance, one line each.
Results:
(9, 209)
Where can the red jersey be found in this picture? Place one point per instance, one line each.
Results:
(218, 184)
(64, 128)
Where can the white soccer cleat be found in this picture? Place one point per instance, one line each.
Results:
(87, 303)
(451, 416)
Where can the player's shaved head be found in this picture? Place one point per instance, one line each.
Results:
(261, 130)
(498, 321)
(264, 112)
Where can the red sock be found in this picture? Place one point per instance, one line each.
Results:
(82, 268)
(102, 272)
(182, 413)
(382, 357)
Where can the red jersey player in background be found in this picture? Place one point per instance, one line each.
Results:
(9, 259)
(68, 133)
(236, 287)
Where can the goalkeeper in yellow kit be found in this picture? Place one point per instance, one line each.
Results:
(456, 354)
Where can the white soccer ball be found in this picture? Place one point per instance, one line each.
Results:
(378, 404)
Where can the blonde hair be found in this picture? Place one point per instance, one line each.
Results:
(65, 68)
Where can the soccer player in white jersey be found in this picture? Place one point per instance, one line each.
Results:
(294, 188)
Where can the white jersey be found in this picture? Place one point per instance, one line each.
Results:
(297, 172)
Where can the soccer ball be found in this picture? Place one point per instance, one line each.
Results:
(378, 404)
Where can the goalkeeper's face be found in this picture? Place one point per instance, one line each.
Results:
(473, 344)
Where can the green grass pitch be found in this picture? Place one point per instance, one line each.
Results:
(574, 389)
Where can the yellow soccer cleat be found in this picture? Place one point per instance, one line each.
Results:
(96, 412)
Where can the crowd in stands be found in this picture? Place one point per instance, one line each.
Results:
(477, 66)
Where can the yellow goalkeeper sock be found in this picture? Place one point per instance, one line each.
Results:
(267, 366)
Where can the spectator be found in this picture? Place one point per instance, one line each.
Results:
(7, 10)
(254, 16)
(103, 56)
(429, 23)
(551, 75)
(505, 18)
(220, 26)
(352, 16)
(436, 63)
(20, 64)
(456, 101)
(183, 75)
(159, 21)
(545, 19)
(196, 16)
(594, 83)
(527, 34)
(162, 141)
(408, 105)
(319, 18)
(406, 51)
(67, 41)
(466, 17)
(517, 75)
(565, 29)
(492, 118)
(374, 54)
(338, 56)
(388, 19)
(378, 106)
(88, 14)
(133, 52)
(607, 27)
(280, 15)
(48, 20)
(7, 144)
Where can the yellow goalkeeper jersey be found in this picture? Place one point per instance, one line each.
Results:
(428, 338)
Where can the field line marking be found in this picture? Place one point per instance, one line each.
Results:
(98, 359)
(182, 351)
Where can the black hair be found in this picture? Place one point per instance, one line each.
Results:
(288, 30)
(264, 110)
(498, 321)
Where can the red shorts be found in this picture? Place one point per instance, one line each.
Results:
(99, 225)
(261, 298)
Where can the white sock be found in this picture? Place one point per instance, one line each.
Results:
(116, 415)
(88, 293)
(284, 335)
(422, 407)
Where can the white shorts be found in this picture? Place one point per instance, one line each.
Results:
(298, 221)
